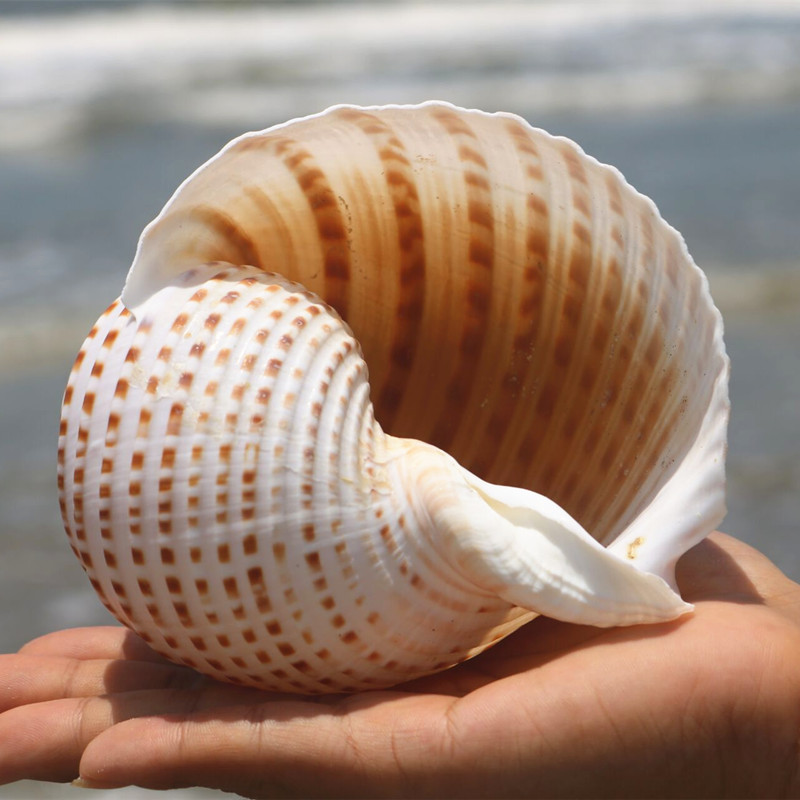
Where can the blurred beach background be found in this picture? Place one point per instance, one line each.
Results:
(105, 107)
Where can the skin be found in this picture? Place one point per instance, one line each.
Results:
(706, 706)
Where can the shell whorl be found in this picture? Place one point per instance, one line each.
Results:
(224, 480)
(241, 478)
(515, 300)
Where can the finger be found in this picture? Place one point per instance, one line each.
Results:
(35, 679)
(368, 745)
(709, 572)
(724, 568)
(109, 642)
(44, 741)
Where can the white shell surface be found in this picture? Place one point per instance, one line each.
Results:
(223, 479)
(236, 506)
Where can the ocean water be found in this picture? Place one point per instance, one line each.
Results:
(106, 107)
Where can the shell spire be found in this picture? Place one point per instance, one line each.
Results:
(543, 355)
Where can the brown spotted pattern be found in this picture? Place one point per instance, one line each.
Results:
(237, 515)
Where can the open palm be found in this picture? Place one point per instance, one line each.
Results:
(708, 705)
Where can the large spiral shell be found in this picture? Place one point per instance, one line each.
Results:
(224, 481)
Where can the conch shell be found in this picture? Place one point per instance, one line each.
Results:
(224, 480)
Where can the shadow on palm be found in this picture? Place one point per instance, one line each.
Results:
(708, 576)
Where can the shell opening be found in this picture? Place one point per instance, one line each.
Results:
(526, 549)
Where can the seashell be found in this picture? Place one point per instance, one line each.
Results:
(528, 319)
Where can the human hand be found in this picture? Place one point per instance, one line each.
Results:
(708, 705)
